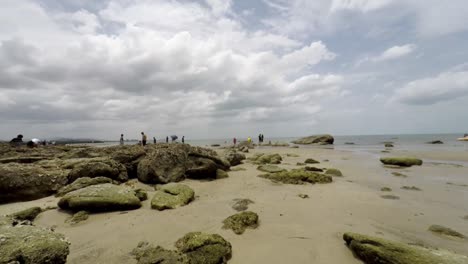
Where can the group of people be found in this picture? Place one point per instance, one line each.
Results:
(18, 141)
(249, 139)
(260, 138)
(144, 139)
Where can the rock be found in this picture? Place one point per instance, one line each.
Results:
(241, 221)
(220, 174)
(141, 194)
(201, 168)
(244, 149)
(148, 254)
(311, 161)
(390, 197)
(245, 144)
(374, 250)
(28, 244)
(300, 164)
(215, 145)
(397, 174)
(275, 144)
(442, 230)
(203, 248)
(385, 151)
(303, 196)
(411, 188)
(238, 169)
(102, 197)
(401, 161)
(270, 168)
(241, 204)
(78, 217)
(297, 176)
(317, 139)
(334, 172)
(81, 183)
(234, 158)
(292, 155)
(21, 159)
(386, 189)
(294, 146)
(349, 143)
(435, 142)
(98, 167)
(388, 145)
(27, 215)
(129, 156)
(313, 169)
(172, 196)
(465, 217)
(262, 158)
(24, 182)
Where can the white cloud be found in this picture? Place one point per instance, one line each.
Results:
(360, 5)
(395, 52)
(444, 87)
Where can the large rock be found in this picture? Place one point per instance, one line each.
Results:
(129, 156)
(374, 250)
(81, 183)
(102, 197)
(27, 244)
(234, 158)
(317, 139)
(401, 161)
(203, 248)
(298, 176)
(172, 196)
(201, 168)
(148, 254)
(241, 221)
(97, 167)
(24, 182)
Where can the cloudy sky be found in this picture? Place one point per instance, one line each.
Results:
(220, 68)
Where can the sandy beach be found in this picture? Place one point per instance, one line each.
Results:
(292, 229)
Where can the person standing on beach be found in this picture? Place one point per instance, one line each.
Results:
(143, 139)
(154, 140)
(167, 139)
(121, 139)
(234, 140)
(183, 139)
(249, 140)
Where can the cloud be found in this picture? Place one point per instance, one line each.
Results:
(444, 87)
(360, 5)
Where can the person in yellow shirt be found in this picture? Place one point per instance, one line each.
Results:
(249, 140)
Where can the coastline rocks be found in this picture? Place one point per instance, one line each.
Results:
(203, 248)
(374, 250)
(401, 161)
(201, 168)
(27, 215)
(234, 158)
(317, 139)
(81, 183)
(311, 161)
(297, 176)
(24, 182)
(164, 164)
(334, 172)
(102, 197)
(262, 158)
(241, 221)
(148, 254)
(442, 230)
(270, 168)
(28, 244)
(98, 167)
(129, 156)
(78, 217)
(307, 168)
(172, 196)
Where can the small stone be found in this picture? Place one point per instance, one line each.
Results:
(411, 188)
(390, 197)
(171, 196)
(442, 230)
(141, 194)
(241, 221)
(311, 161)
(303, 196)
(386, 189)
(78, 217)
(202, 248)
(27, 215)
(334, 172)
(397, 174)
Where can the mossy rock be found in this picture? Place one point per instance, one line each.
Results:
(81, 183)
(300, 164)
(442, 230)
(315, 169)
(202, 248)
(315, 139)
(241, 204)
(221, 174)
(27, 215)
(78, 217)
(148, 254)
(311, 161)
(32, 245)
(401, 161)
(390, 197)
(102, 197)
(262, 158)
(411, 188)
(270, 168)
(171, 196)
(238, 169)
(334, 172)
(374, 250)
(389, 145)
(98, 167)
(386, 189)
(298, 176)
(292, 155)
(303, 196)
(141, 194)
(241, 221)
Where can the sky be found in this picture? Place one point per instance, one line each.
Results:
(225, 68)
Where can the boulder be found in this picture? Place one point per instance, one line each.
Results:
(28, 244)
(78, 217)
(270, 168)
(401, 161)
(298, 176)
(129, 156)
(27, 215)
(220, 174)
(102, 197)
(388, 145)
(172, 196)
(374, 250)
(148, 254)
(24, 182)
(202, 248)
(317, 139)
(201, 168)
(442, 230)
(241, 221)
(81, 183)
(234, 158)
(386, 189)
(334, 172)
(307, 168)
(262, 158)
(98, 167)
(311, 161)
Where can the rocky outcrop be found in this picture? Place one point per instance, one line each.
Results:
(102, 197)
(401, 161)
(270, 168)
(148, 254)
(201, 248)
(129, 156)
(81, 183)
(374, 250)
(311, 161)
(298, 176)
(98, 167)
(27, 215)
(234, 158)
(172, 196)
(201, 168)
(262, 158)
(317, 139)
(241, 221)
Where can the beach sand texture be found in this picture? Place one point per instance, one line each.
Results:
(291, 229)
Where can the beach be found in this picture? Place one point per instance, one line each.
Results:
(291, 229)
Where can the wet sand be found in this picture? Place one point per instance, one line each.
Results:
(292, 229)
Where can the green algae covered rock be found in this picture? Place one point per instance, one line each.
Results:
(27, 244)
(298, 176)
(262, 158)
(442, 230)
(311, 161)
(97, 167)
(78, 217)
(202, 248)
(81, 183)
(308, 168)
(411, 188)
(334, 172)
(270, 168)
(241, 221)
(148, 254)
(172, 196)
(29, 214)
(234, 158)
(386, 189)
(401, 161)
(390, 197)
(141, 194)
(102, 197)
(221, 174)
(316, 139)
(374, 250)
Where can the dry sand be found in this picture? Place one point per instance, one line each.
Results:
(292, 230)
